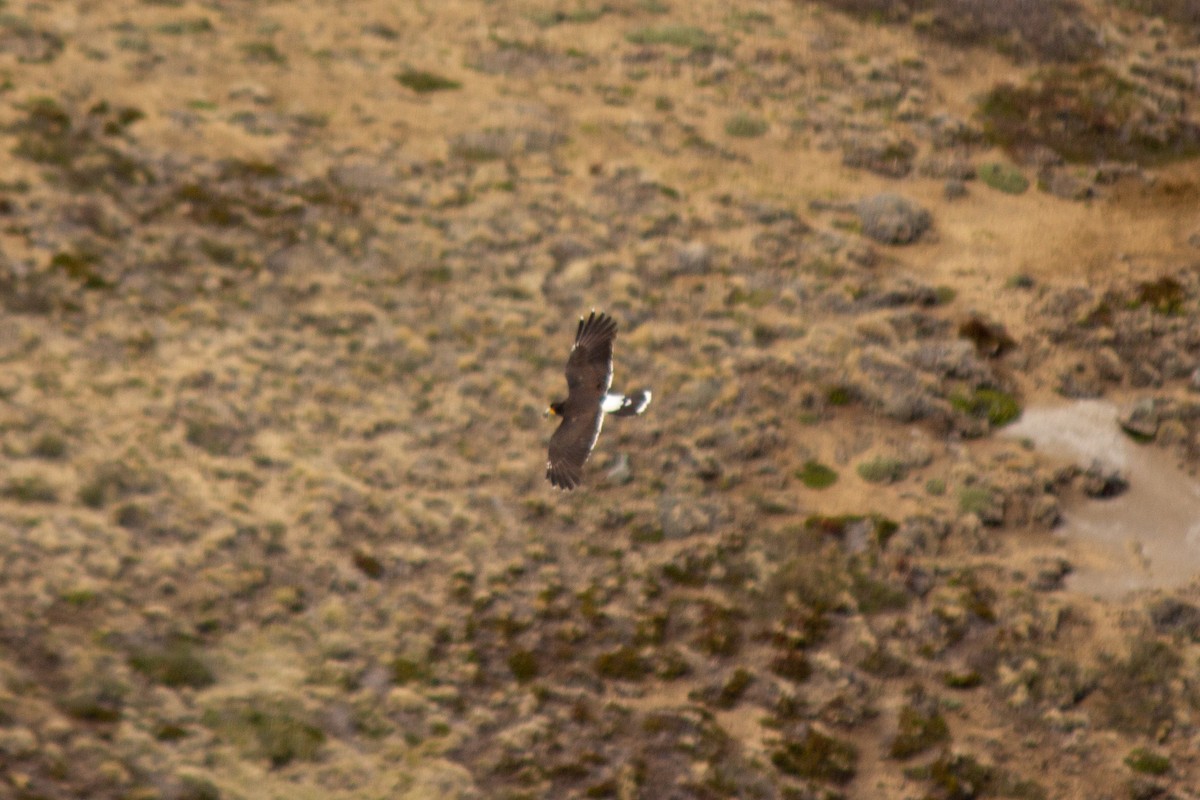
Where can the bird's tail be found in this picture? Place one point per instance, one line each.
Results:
(632, 404)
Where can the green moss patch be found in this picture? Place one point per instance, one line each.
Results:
(688, 36)
(1142, 760)
(997, 407)
(746, 126)
(1002, 177)
(816, 475)
(423, 82)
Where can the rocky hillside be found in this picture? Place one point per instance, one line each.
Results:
(285, 288)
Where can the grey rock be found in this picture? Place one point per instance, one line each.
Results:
(955, 359)
(566, 248)
(693, 258)
(1065, 185)
(767, 213)
(947, 131)
(947, 167)
(1141, 419)
(1041, 157)
(1050, 574)
(919, 535)
(1109, 172)
(485, 145)
(892, 219)
(1108, 364)
(883, 156)
(890, 384)
(1081, 380)
(681, 518)
(1046, 511)
(441, 778)
(1170, 615)
(919, 582)
(619, 472)
(1103, 481)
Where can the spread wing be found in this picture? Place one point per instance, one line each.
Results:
(570, 447)
(589, 367)
(589, 374)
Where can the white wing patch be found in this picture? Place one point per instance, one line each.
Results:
(623, 405)
(612, 401)
(596, 435)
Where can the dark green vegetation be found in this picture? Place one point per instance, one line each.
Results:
(97, 697)
(1166, 295)
(684, 36)
(30, 43)
(29, 489)
(746, 126)
(266, 726)
(817, 755)
(1142, 760)
(423, 82)
(176, 662)
(1086, 114)
(87, 146)
(1184, 12)
(1050, 30)
(816, 475)
(954, 776)
(1003, 177)
(1134, 691)
(997, 407)
(918, 731)
(263, 52)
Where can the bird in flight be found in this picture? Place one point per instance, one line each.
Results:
(589, 377)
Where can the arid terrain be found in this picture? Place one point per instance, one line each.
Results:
(285, 288)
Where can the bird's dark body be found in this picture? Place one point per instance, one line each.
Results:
(589, 376)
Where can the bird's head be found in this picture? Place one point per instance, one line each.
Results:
(554, 409)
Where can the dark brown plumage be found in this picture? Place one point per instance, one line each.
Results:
(589, 375)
